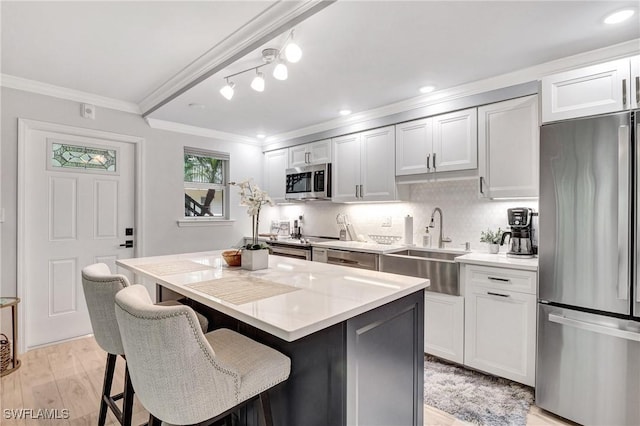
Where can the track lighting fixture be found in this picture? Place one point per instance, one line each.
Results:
(291, 52)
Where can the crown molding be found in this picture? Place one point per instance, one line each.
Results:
(33, 86)
(617, 51)
(273, 21)
(186, 129)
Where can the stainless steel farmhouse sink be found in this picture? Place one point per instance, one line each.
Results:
(439, 267)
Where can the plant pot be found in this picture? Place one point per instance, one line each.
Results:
(253, 260)
(494, 248)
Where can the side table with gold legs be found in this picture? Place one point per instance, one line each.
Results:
(14, 363)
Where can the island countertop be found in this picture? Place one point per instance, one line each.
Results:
(323, 295)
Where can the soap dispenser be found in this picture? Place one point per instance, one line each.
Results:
(426, 239)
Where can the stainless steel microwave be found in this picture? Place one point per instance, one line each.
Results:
(311, 182)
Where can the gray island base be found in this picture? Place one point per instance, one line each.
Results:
(366, 370)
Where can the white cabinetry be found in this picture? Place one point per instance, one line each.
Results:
(442, 143)
(500, 321)
(508, 148)
(275, 166)
(444, 326)
(360, 166)
(311, 153)
(591, 90)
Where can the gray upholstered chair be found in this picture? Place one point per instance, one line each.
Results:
(100, 287)
(183, 376)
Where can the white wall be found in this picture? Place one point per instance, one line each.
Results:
(163, 163)
(465, 214)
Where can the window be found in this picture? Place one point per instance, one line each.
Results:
(205, 183)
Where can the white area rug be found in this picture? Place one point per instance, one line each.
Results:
(475, 397)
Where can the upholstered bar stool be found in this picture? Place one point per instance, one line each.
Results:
(183, 376)
(100, 288)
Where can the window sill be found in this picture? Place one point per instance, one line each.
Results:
(204, 221)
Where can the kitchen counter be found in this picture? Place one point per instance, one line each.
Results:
(499, 260)
(364, 247)
(346, 330)
(327, 294)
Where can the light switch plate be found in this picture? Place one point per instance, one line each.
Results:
(386, 222)
(89, 111)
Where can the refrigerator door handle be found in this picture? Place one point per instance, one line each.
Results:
(623, 212)
(596, 328)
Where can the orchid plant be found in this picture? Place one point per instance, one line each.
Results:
(253, 198)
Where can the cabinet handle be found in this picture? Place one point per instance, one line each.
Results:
(481, 189)
(504, 280)
(638, 89)
(361, 192)
(307, 157)
(434, 161)
(624, 92)
(428, 161)
(490, 293)
(356, 191)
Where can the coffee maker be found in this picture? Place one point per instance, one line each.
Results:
(523, 239)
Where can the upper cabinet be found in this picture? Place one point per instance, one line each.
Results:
(508, 146)
(442, 143)
(275, 166)
(359, 170)
(311, 153)
(597, 89)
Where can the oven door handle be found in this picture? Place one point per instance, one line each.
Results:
(300, 253)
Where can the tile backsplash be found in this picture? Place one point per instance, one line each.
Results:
(465, 214)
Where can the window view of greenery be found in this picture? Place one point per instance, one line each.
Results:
(204, 185)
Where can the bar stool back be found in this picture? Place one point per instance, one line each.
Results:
(183, 376)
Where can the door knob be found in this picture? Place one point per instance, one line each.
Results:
(127, 244)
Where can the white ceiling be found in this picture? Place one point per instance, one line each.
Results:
(357, 55)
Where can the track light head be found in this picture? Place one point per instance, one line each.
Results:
(257, 83)
(227, 91)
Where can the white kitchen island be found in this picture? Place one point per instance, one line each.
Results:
(355, 337)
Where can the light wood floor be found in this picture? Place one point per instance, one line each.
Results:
(69, 376)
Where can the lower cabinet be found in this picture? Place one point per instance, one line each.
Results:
(444, 326)
(500, 323)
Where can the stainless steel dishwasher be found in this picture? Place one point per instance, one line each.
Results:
(353, 259)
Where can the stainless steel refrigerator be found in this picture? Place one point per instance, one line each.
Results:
(588, 361)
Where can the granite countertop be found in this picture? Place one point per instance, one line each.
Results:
(325, 294)
(499, 260)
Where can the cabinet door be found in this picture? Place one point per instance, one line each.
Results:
(635, 82)
(414, 141)
(500, 333)
(444, 326)
(508, 148)
(298, 156)
(597, 89)
(378, 180)
(345, 178)
(455, 141)
(275, 166)
(319, 152)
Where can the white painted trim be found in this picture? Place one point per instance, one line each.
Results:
(281, 14)
(204, 221)
(536, 72)
(172, 126)
(46, 89)
(25, 126)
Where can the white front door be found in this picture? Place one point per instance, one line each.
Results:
(78, 207)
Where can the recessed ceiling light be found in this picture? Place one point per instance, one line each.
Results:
(619, 16)
(260, 135)
(197, 106)
(427, 89)
(345, 111)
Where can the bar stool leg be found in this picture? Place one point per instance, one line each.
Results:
(266, 408)
(127, 404)
(106, 387)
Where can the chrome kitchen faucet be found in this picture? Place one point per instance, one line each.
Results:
(441, 239)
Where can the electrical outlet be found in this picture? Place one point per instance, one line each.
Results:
(386, 222)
